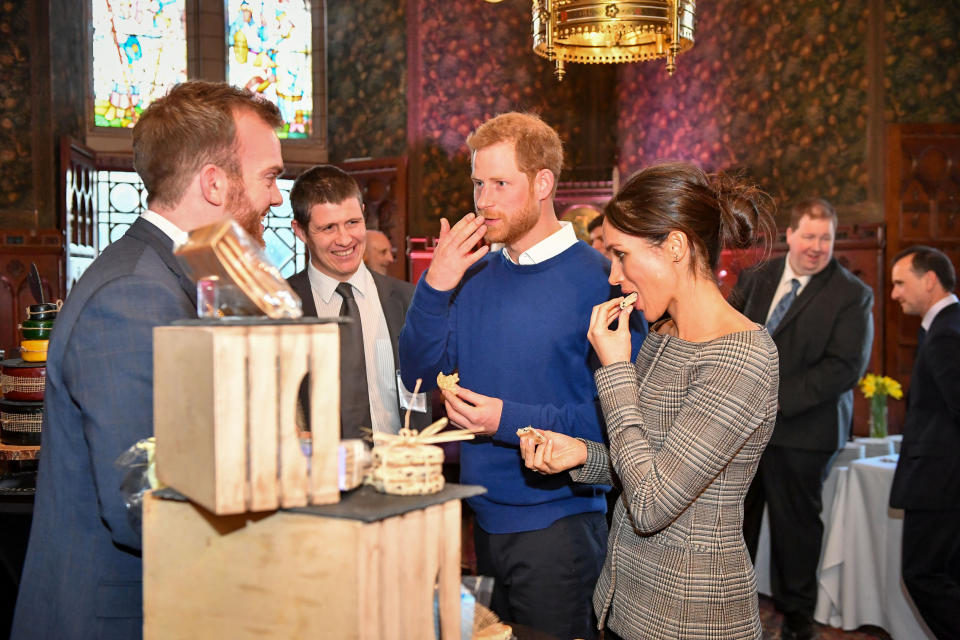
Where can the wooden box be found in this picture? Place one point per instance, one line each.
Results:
(225, 402)
(369, 568)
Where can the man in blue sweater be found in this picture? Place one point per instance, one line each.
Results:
(512, 320)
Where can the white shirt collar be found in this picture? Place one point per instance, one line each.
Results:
(553, 245)
(325, 285)
(789, 274)
(937, 308)
(172, 231)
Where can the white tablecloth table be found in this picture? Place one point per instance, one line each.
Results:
(879, 446)
(852, 451)
(860, 567)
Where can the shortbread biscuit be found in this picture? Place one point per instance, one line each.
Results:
(448, 382)
(530, 432)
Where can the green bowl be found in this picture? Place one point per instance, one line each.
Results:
(31, 333)
(37, 324)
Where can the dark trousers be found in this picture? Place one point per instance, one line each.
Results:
(789, 481)
(544, 579)
(931, 568)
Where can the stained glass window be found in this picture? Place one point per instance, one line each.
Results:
(269, 52)
(122, 198)
(139, 52)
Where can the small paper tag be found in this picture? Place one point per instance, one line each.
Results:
(410, 401)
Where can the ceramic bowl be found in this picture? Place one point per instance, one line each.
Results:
(42, 315)
(34, 350)
(37, 324)
(29, 333)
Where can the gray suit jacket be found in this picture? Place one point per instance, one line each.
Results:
(824, 342)
(395, 296)
(82, 576)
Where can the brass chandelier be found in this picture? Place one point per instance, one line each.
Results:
(611, 31)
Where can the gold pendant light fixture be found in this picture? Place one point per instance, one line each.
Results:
(609, 31)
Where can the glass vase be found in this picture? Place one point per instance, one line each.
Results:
(878, 416)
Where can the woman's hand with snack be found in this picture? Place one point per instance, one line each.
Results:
(555, 453)
(611, 345)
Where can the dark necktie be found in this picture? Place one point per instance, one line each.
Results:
(783, 306)
(921, 334)
(354, 399)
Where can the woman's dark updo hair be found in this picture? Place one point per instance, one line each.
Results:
(715, 212)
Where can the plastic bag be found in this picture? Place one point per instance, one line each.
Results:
(139, 476)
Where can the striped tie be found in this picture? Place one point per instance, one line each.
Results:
(783, 306)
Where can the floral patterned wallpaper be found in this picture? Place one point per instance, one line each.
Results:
(366, 78)
(16, 165)
(922, 61)
(776, 89)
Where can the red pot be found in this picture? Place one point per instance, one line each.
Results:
(20, 422)
(23, 381)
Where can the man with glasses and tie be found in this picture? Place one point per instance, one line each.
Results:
(328, 218)
(819, 315)
(927, 482)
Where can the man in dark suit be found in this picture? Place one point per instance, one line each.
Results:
(927, 481)
(328, 218)
(204, 151)
(819, 315)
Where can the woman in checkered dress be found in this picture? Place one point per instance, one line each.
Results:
(687, 421)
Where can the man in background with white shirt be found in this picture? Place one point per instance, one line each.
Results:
(927, 482)
(328, 218)
(512, 320)
(204, 151)
(819, 315)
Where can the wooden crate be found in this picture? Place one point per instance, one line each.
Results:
(225, 398)
(304, 574)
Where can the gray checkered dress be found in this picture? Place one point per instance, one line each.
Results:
(687, 423)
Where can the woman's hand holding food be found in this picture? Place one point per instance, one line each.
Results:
(559, 453)
(454, 252)
(611, 345)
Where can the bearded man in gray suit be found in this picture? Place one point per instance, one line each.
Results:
(204, 151)
(328, 218)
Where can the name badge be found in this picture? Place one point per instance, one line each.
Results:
(414, 402)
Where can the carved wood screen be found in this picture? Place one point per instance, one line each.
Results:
(78, 214)
(922, 207)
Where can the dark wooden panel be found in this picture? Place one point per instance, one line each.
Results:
(383, 183)
(922, 207)
(17, 250)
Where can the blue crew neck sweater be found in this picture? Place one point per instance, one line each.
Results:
(518, 333)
